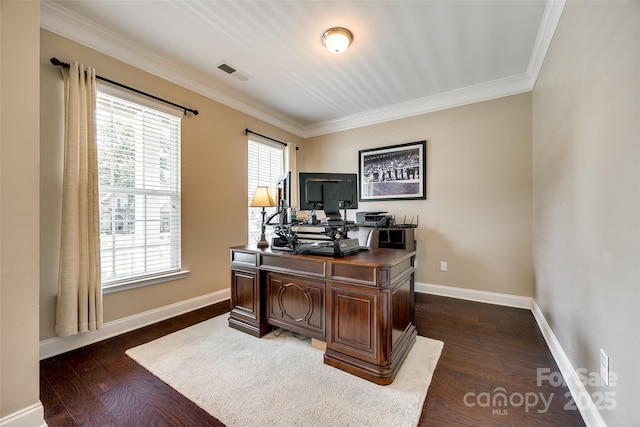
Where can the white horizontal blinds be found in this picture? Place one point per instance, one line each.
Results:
(139, 178)
(265, 165)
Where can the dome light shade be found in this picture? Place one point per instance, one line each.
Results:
(337, 39)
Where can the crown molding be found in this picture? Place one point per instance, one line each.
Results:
(548, 24)
(456, 98)
(62, 21)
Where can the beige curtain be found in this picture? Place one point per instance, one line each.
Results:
(79, 304)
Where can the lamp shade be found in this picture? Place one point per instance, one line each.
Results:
(337, 39)
(262, 198)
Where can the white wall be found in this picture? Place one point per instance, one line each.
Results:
(586, 174)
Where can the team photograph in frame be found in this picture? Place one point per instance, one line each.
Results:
(395, 172)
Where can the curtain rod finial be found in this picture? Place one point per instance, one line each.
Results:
(55, 61)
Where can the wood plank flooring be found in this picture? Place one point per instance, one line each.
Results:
(490, 352)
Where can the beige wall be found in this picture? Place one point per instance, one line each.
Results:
(214, 184)
(477, 215)
(586, 145)
(19, 367)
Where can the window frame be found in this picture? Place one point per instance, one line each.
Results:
(172, 273)
(256, 213)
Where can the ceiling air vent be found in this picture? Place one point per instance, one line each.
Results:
(233, 72)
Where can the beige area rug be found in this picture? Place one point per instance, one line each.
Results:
(282, 380)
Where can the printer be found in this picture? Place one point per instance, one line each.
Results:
(374, 219)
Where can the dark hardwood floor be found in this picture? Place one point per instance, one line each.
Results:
(490, 352)
(487, 374)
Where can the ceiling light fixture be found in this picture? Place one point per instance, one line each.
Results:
(337, 39)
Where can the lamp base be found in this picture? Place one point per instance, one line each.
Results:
(263, 243)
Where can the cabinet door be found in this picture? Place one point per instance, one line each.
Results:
(296, 304)
(356, 328)
(247, 313)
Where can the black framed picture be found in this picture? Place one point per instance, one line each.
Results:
(395, 172)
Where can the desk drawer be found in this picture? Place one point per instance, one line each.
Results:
(360, 274)
(294, 264)
(244, 258)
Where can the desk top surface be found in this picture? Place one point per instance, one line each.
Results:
(376, 256)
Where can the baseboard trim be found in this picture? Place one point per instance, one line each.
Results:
(59, 345)
(31, 416)
(507, 300)
(580, 394)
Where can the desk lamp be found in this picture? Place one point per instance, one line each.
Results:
(262, 199)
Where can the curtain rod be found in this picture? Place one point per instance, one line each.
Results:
(247, 132)
(55, 61)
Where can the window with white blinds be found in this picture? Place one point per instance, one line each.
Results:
(266, 164)
(139, 180)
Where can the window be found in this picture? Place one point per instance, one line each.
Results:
(266, 164)
(139, 180)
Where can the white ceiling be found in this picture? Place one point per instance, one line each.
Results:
(407, 57)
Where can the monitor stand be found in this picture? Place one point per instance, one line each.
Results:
(334, 219)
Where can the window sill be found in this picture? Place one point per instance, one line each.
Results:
(147, 281)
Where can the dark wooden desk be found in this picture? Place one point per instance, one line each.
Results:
(361, 305)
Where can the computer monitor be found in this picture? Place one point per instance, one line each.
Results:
(329, 192)
(283, 190)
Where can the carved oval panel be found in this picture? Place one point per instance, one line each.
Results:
(295, 302)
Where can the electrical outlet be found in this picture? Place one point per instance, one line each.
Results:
(604, 366)
(443, 265)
